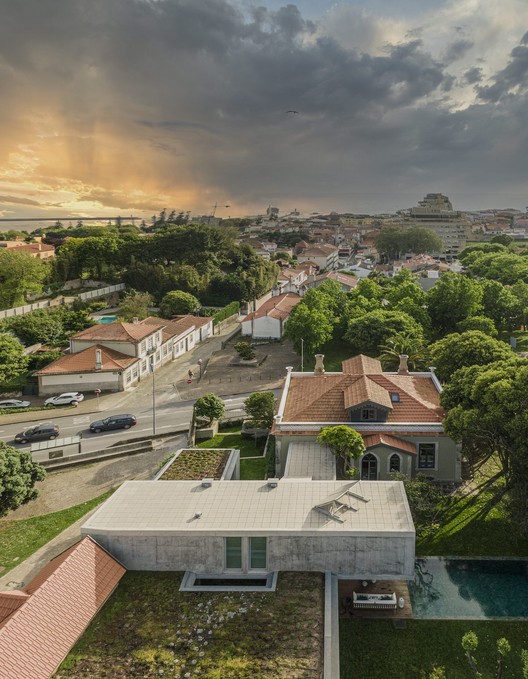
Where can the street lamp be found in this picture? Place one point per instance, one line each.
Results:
(302, 355)
(153, 395)
(200, 366)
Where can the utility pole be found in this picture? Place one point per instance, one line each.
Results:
(153, 395)
(302, 355)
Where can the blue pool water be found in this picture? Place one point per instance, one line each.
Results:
(470, 588)
(107, 319)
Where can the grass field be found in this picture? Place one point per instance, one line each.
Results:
(148, 628)
(477, 523)
(253, 464)
(19, 539)
(373, 649)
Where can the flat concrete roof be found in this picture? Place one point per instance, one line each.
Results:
(253, 507)
(310, 460)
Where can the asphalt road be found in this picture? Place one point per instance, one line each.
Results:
(170, 416)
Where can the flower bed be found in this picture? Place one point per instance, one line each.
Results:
(196, 464)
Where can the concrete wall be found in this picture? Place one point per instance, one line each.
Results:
(266, 326)
(362, 557)
(85, 382)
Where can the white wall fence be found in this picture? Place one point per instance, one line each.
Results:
(57, 301)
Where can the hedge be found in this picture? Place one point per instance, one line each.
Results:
(229, 310)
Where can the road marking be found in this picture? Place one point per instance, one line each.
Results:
(81, 419)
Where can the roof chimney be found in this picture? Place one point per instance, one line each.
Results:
(98, 359)
(207, 482)
(135, 320)
(319, 365)
(403, 368)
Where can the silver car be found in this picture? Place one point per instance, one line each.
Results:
(14, 403)
(71, 398)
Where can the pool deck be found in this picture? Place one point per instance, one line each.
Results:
(348, 587)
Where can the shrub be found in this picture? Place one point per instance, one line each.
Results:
(245, 350)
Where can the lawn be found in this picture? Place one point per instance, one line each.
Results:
(335, 352)
(476, 524)
(253, 465)
(225, 439)
(19, 539)
(149, 628)
(520, 335)
(374, 649)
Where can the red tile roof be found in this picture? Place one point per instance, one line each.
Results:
(373, 440)
(361, 365)
(84, 361)
(342, 278)
(116, 332)
(276, 307)
(63, 599)
(325, 398)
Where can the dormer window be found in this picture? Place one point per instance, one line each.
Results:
(395, 397)
(368, 414)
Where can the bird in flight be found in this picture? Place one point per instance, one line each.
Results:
(292, 111)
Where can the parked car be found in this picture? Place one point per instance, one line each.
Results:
(44, 430)
(68, 398)
(14, 403)
(113, 422)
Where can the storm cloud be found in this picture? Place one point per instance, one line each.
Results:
(143, 104)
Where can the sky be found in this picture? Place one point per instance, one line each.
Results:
(131, 106)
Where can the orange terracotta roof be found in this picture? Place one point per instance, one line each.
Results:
(36, 637)
(361, 365)
(84, 361)
(276, 307)
(116, 332)
(10, 601)
(373, 440)
(321, 398)
(173, 328)
(342, 278)
(197, 321)
(365, 390)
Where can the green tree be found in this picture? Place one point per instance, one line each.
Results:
(37, 326)
(209, 406)
(481, 323)
(245, 350)
(367, 333)
(178, 302)
(420, 240)
(503, 239)
(460, 350)
(311, 325)
(451, 300)
(501, 305)
(18, 475)
(346, 443)
(415, 348)
(260, 407)
(135, 305)
(12, 360)
(20, 274)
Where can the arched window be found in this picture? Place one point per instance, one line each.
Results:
(369, 467)
(394, 463)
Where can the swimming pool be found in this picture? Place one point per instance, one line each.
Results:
(470, 589)
(106, 319)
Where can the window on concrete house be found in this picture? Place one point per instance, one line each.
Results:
(233, 553)
(143, 366)
(257, 553)
(426, 456)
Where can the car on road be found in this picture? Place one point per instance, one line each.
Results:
(40, 432)
(14, 403)
(70, 398)
(113, 422)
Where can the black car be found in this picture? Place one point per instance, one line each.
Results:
(113, 422)
(44, 430)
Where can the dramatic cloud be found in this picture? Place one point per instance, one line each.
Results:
(135, 105)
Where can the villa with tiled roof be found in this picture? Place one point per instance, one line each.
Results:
(116, 356)
(398, 414)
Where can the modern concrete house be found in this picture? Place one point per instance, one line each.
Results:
(251, 528)
(397, 413)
